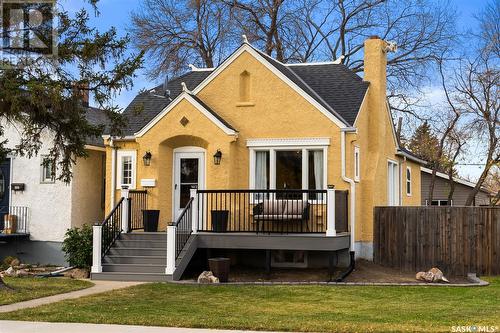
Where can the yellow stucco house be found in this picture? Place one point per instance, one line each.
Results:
(283, 157)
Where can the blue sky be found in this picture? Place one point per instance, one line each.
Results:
(117, 13)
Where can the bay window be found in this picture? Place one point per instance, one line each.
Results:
(288, 168)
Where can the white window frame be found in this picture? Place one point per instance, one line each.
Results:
(357, 165)
(120, 155)
(43, 167)
(439, 201)
(272, 164)
(408, 181)
(393, 185)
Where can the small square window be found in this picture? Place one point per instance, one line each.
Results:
(48, 170)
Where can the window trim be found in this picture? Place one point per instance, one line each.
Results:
(397, 188)
(272, 164)
(357, 164)
(44, 180)
(409, 181)
(119, 156)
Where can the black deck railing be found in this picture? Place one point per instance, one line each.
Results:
(111, 228)
(184, 227)
(19, 219)
(138, 201)
(263, 211)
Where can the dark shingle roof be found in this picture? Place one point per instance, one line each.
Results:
(96, 117)
(213, 112)
(334, 86)
(147, 105)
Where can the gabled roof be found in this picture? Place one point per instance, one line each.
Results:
(199, 105)
(149, 104)
(332, 88)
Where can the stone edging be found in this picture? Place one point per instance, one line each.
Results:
(475, 282)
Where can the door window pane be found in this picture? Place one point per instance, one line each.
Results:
(189, 178)
(289, 169)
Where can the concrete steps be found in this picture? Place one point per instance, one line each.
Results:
(140, 256)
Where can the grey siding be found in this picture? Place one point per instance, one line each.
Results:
(442, 189)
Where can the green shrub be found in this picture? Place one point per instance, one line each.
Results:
(77, 246)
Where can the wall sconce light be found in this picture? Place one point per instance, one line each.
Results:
(217, 157)
(147, 158)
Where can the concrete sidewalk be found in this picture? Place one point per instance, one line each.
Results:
(30, 327)
(99, 287)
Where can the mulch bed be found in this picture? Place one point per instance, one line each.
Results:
(365, 272)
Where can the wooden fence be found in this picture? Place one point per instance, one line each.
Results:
(458, 240)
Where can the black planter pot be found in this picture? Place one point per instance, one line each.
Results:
(219, 220)
(220, 268)
(150, 219)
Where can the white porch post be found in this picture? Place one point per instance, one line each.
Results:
(171, 230)
(194, 211)
(330, 214)
(125, 210)
(96, 249)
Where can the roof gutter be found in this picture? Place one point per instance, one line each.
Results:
(410, 157)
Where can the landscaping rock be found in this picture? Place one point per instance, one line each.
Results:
(22, 273)
(433, 275)
(79, 273)
(207, 277)
(11, 272)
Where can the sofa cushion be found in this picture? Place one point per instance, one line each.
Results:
(295, 207)
(277, 218)
(273, 207)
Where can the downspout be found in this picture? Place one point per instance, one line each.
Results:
(349, 180)
(113, 173)
(352, 257)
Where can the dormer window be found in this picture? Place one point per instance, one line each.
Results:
(245, 88)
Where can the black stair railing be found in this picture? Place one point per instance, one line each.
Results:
(184, 227)
(111, 228)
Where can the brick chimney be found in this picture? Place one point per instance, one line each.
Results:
(375, 72)
(83, 90)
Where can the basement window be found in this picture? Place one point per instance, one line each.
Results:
(289, 259)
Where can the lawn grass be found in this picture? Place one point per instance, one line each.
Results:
(31, 288)
(285, 308)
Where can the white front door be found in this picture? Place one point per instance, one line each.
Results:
(189, 171)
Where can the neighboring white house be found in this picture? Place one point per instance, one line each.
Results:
(51, 206)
